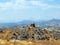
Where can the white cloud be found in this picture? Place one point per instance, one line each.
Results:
(24, 4)
(44, 5)
(6, 5)
(20, 4)
(17, 4)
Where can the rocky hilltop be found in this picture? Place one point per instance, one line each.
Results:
(29, 33)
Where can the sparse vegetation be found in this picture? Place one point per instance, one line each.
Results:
(30, 35)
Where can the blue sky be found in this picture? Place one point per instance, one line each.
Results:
(17, 10)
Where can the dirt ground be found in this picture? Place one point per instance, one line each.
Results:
(26, 42)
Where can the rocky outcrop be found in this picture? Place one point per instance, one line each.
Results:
(29, 33)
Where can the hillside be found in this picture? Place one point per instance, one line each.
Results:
(29, 35)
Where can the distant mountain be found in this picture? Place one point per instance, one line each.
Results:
(28, 22)
(25, 22)
(55, 23)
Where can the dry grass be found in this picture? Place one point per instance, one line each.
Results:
(26, 42)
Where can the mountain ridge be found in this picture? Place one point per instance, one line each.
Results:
(49, 23)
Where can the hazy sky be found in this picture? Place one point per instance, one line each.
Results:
(17, 10)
